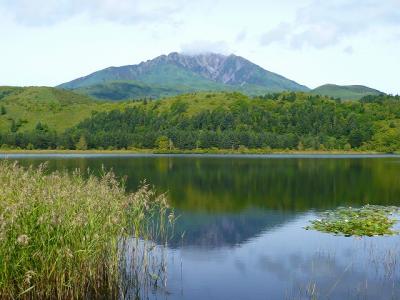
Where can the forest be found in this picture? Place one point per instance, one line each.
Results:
(283, 121)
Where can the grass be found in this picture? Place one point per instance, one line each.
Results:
(61, 235)
(59, 109)
(62, 109)
(369, 220)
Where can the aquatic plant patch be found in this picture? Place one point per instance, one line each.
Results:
(369, 220)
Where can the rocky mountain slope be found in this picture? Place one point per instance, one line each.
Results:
(179, 73)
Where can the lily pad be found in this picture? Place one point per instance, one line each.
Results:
(369, 220)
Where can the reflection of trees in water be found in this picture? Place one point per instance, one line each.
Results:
(234, 184)
(287, 184)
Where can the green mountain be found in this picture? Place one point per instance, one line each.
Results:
(59, 109)
(345, 92)
(177, 73)
(121, 90)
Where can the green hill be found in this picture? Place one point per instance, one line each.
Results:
(297, 121)
(59, 109)
(288, 120)
(345, 92)
(177, 73)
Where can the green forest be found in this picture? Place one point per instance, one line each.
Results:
(231, 121)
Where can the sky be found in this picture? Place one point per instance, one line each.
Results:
(48, 42)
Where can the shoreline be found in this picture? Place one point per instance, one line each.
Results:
(194, 152)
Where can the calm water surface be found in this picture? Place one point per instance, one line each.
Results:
(242, 219)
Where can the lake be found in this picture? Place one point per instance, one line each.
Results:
(240, 232)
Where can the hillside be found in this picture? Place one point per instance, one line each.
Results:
(218, 120)
(296, 121)
(345, 92)
(59, 109)
(131, 90)
(123, 90)
(179, 73)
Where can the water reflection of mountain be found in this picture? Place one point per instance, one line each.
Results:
(203, 230)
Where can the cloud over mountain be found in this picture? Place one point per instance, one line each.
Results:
(202, 46)
(326, 23)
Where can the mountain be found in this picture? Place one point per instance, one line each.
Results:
(345, 92)
(120, 90)
(177, 73)
(59, 109)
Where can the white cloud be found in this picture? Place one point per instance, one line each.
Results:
(326, 23)
(348, 50)
(202, 46)
(279, 33)
(48, 12)
(241, 36)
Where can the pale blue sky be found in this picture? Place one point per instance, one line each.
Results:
(48, 42)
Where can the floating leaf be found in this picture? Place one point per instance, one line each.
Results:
(369, 220)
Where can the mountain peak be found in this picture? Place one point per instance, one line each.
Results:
(194, 72)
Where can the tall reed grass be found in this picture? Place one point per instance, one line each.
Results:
(61, 234)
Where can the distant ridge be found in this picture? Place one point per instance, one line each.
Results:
(177, 73)
(345, 92)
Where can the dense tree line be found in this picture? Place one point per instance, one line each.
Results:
(278, 121)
